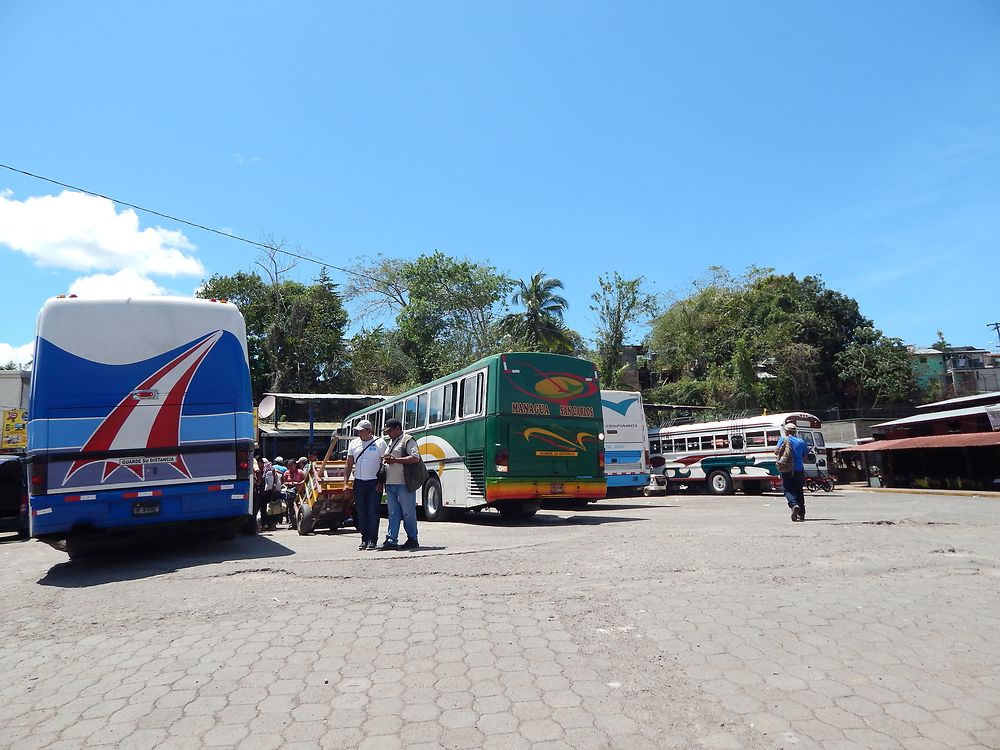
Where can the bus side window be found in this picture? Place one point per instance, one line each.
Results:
(376, 419)
(654, 446)
(737, 442)
(678, 444)
(772, 437)
(397, 411)
(448, 409)
(722, 442)
(422, 410)
(692, 443)
(707, 443)
(410, 414)
(436, 405)
(471, 390)
(755, 440)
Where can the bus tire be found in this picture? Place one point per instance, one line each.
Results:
(249, 526)
(305, 520)
(433, 501)
(752, 487)
(720, 483)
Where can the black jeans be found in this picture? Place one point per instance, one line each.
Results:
(367, 501)
(793, 484)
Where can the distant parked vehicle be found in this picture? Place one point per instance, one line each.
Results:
(13, 496)
(731, 454)
(626, 448)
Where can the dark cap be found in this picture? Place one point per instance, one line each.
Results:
(393, 423)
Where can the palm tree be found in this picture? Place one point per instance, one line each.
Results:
(540, 327)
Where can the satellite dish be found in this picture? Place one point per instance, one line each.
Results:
(266, 407)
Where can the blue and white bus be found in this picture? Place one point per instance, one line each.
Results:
(140, 415)
(626, 450)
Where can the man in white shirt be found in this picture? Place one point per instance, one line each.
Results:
(364, 457)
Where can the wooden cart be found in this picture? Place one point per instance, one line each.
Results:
(326, 498)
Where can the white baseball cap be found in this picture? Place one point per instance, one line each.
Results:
(364, 424)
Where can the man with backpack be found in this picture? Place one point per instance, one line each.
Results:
(402, 500)
(791, 450)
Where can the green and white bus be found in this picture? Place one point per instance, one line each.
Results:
(509, 432)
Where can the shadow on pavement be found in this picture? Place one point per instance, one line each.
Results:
(495, 519)
(147, 558)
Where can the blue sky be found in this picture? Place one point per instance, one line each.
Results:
(855, 140)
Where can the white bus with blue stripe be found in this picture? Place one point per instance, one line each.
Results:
(626, 447)
(140, 415)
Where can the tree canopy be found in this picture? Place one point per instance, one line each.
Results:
(760, 340)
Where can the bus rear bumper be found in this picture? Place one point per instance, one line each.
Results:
(529, 488)
(56, 516)
(627, 480)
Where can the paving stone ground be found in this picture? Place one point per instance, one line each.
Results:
(676, 622)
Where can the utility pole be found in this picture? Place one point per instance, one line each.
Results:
(995, 327)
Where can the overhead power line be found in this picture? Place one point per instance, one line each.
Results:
(179, 220)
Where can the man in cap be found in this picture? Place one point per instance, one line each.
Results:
(793, 482)
(364, 457)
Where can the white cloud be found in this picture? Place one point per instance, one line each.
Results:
(20, 355)
(81, 232)
(126, 283)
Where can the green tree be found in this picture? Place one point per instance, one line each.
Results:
(769, 340)
(540, 327)
(619, 304)
(877, 368)
(295, 331)
(941, 344)
(447, 310)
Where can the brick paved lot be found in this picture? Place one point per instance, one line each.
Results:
(673, 622)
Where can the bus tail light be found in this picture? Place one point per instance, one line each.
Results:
(600, 460)
(502, 461)
(645, 455)
(39, 477)
(243, 464)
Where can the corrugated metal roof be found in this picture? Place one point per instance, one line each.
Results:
(934, 416)
(961, 440)
(995, 395)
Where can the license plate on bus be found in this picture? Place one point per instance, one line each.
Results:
(146, 508)
(556, 488)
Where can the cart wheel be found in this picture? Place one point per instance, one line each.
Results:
(305, 520)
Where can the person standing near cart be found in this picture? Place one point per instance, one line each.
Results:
(364, 458)
(402, 501)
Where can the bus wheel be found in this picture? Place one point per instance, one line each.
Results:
(720, 483)
(434, 509)
(752, 488)
(305, 520)
(249, 526)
